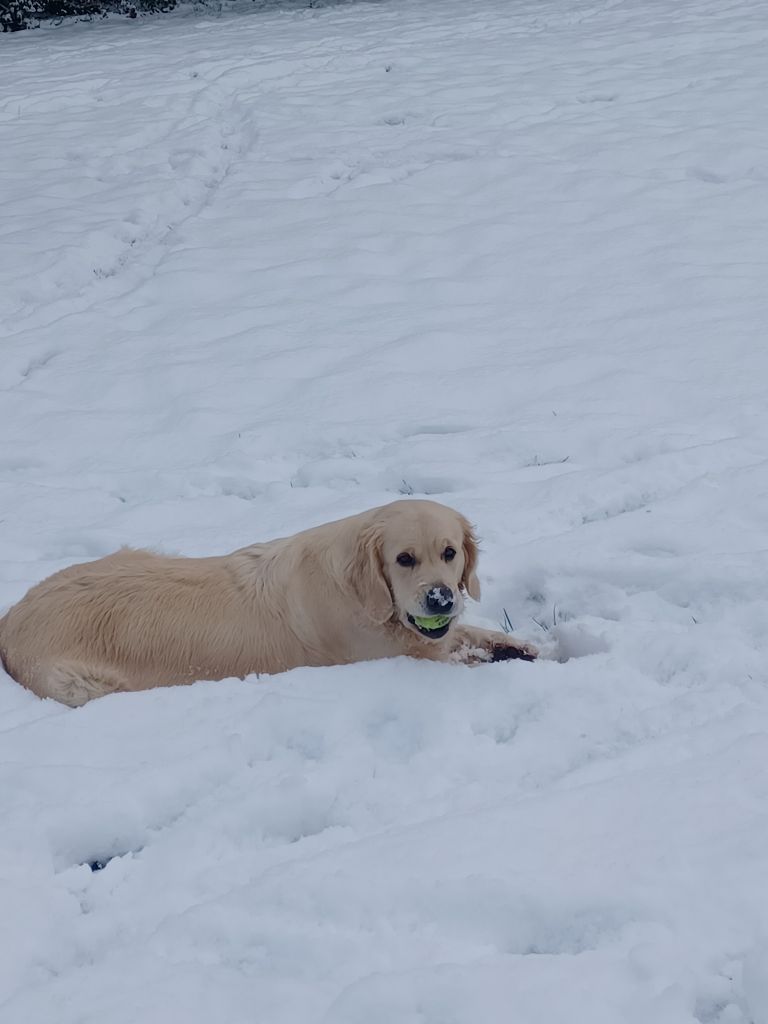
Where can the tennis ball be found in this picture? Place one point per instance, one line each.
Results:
(432, 621)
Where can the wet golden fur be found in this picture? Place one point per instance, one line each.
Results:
(328, 596)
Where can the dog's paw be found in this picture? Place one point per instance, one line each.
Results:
(478, 646)
(507, 650)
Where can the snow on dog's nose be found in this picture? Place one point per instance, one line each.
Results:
(439, 600)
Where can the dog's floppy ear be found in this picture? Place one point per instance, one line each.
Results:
(367, 576)
(469, 580)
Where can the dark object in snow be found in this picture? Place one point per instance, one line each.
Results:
(509, 653)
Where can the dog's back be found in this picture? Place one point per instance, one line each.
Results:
(160, 619)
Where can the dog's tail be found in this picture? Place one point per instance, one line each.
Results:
(2, 645)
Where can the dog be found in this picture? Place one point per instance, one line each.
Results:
(387, 582)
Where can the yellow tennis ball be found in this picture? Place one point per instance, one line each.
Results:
(432, 621)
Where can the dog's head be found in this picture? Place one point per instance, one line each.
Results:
(414, 562)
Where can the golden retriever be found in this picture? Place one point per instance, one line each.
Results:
(383, 583)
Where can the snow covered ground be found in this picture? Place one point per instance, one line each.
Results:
(262, 270)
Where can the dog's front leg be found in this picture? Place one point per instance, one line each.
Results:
(473, 646)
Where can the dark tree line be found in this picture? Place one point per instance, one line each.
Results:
(20, 14)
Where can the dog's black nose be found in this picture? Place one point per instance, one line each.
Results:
(439, 600)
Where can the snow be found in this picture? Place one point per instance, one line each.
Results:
(440, 596)
(268, 268)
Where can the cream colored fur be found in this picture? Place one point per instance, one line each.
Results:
(328, 596)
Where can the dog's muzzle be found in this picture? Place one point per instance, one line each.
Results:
(440, 609)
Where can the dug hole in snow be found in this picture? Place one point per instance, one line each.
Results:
(265, 268)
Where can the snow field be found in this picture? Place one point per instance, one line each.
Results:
(262, 270)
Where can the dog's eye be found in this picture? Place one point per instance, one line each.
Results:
(449, 554)
(405, 559)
